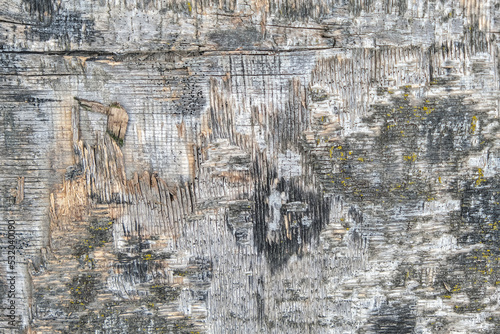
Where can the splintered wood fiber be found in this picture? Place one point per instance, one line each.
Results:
(258, 166)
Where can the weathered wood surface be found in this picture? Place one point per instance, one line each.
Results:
(308, 166)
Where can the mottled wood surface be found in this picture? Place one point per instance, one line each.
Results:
(260, 166)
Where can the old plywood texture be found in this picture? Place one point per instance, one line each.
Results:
(259, 166)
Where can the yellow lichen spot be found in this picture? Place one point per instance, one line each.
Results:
(339, 147)
(473, 124)
(361, 159)
(412, 157)
(189, 7)
(439, 179)
(480, 178)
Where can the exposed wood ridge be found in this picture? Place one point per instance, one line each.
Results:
(112, 221)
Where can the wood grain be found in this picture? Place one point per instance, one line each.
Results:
(262, 166)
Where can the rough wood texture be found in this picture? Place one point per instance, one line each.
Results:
(262, 166)
(117, 120)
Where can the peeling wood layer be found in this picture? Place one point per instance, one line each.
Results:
(270, 166)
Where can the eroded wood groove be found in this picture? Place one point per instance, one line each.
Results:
(270, 166)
